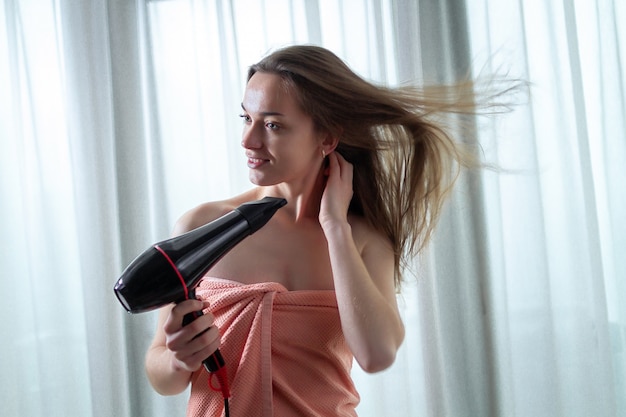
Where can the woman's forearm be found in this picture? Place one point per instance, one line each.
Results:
(370, 319)
(163, 375)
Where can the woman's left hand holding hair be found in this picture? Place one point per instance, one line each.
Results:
(338, 192)
(363, 274)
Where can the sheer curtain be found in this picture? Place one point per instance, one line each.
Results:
(117, 116)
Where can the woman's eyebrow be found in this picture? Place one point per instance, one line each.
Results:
(265, 113)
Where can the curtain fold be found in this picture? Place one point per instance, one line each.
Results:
(118, 116)
(550, 241)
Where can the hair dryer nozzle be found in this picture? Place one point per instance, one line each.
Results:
(259, 212)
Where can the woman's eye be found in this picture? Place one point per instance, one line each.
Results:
(270, 125)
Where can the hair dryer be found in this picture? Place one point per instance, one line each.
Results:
(169, 271)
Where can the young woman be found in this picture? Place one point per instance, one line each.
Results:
(364, 170)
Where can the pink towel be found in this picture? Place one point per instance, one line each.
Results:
(284, 350)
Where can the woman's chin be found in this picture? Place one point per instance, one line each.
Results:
(261, 180)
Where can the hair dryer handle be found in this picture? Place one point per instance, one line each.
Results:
(214, 362)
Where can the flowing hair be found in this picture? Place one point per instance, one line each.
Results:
(405, 156)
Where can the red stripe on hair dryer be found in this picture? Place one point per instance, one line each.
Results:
(169, 271)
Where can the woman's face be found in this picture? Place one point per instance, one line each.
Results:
(280, 140)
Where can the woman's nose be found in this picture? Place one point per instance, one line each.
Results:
(250, 139)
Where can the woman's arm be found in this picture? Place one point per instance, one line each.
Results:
(177, 351)
(363, 277)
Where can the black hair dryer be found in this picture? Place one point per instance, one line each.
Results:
(169, 271)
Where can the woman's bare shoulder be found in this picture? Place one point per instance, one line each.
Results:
(364, 234)
(207, 212)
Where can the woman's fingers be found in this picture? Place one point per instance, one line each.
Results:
(194, 342)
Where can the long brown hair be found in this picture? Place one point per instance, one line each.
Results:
(405, 159)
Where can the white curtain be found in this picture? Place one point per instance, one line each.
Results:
(117, 116)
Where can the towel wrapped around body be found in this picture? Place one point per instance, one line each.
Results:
(284, 350)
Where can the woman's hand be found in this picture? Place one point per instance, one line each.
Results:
(193, 343)
(338, 192)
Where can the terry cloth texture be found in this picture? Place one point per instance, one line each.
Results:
(284, 350)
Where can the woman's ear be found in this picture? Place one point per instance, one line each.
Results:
(330, 142)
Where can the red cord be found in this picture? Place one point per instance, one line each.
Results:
(222, 379)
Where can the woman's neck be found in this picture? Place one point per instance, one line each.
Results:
(303, 199)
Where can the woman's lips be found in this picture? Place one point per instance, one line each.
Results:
(256, 162)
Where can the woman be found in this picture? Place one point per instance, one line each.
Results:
(364, 172)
